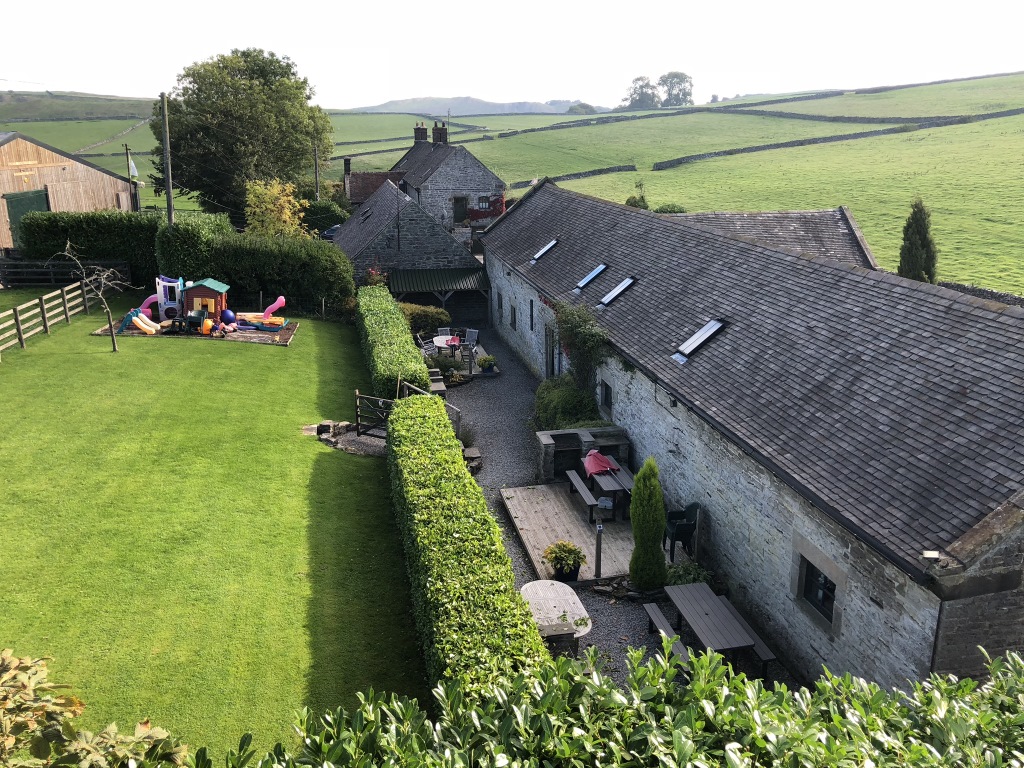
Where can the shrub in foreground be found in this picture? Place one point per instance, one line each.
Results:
(471, 619)
(425, 320)
(388, 347)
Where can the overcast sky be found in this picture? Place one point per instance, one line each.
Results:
(363, 53)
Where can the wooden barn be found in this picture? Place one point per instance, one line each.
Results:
(208, 294)
(38, 177)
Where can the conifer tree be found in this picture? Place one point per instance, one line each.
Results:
(918, 254)
(647, 569)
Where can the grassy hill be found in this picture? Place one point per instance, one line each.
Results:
(466, 105)
(22, 105)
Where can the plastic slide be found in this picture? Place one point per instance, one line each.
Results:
(145, 310)
(153, 326)
(273, 308)
(139, 322)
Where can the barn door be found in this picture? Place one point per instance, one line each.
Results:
(20, 203)
(460, 210)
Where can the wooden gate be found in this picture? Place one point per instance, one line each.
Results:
(372, 415)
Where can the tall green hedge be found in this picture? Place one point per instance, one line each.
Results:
(388, 346)
(471, 619)
(95, 236)
(310, 274)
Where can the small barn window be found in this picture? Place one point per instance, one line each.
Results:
(501, 309)
(819, 590)
(512, 315)
(483, 202)
(531, 314)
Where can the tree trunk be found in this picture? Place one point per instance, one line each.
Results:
(110, 325)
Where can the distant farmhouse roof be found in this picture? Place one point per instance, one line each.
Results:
(375, 215)
(830, 233)
(420, 162)
(359, 187)
(895, 407)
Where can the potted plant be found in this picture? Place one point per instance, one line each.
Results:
(565, 558)
(486, 363)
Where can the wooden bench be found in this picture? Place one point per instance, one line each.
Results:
(658, 621)
(763, 651)
(576, 485)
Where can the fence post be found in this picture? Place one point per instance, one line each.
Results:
(85, 299)
(42, 315)
(64, 299)
(17, 327)
(458, 425)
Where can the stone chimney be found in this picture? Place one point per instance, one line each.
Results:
(440, 133)
(348, 166)
(419, 133)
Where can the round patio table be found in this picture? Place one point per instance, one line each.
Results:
(446, 342)
(552, 602)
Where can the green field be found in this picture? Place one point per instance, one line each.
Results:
(970, 177)
(967, 97)
(640, 142)
(353, 126)
(181, 549)
(34, 106)
(70, 135)
(140, 139)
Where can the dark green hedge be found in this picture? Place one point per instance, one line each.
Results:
(425, 320)
(310, 274)
(559, 404)
(95, 236)
(388, 346)
(471, 619)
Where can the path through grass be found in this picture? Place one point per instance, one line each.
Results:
(181, 549)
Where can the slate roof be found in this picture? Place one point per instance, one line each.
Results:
(429, 280)
(360, 186)
(895, 407)
(374, 215)
(420, 162)
(830, 233)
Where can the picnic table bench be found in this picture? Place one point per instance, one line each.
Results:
(760, 648)
(657, 620)
(716, 626)
(576, 485)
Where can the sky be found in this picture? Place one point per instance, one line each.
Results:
(366, 53)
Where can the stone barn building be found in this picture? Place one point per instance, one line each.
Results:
(855, 437)
(38, 177)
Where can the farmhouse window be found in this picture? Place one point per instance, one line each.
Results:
(501, 309)
(531, 314)
(819, 590)
(606, 398)
(512, 315)
(483, 202)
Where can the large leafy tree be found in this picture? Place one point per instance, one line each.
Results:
(678, 88)
(237, 118)
(918, 254)
(643, 94)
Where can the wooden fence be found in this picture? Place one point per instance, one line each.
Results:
(39, 315)
(26, 273)
(372, 412)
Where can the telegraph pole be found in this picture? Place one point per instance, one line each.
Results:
(168, 184)
(316, 170)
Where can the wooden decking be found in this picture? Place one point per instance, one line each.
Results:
(543, 514)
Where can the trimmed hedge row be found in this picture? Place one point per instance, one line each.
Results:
(471, 619)
(424, 319)
(95, 236)
(388, 347)
(302, 270)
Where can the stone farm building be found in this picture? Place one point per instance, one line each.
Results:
(857, 439)
(38, 177)
(446, 180)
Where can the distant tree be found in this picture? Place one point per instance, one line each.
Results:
(670, 208)
(581, 108)
(918, 254)
(643, 94)
(321, 214)
(237, 118)
(714, 98)
(639, 200)
(272, 210)
(647, 569)
(678, 88)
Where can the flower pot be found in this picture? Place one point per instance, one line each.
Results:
(572, 574)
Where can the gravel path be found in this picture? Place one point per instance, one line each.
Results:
(497, 412)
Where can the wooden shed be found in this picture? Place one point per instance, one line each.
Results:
(38, 177)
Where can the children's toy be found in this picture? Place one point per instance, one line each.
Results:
(264, 321)
(145, 310)
(168, 291)
(140, 321)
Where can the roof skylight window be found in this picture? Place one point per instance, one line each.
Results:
(615, 292)
(693, 343)
(594, 273)
(544, 250)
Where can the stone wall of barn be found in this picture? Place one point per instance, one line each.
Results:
(424, 245)
(461, 175)
(532, 316)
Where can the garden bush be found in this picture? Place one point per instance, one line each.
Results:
(310, 274)
(647, 569)
(95, 236)
(560, 403)
(425, 320)
(388, 346)
(670, 208)
(471, 619)
(321, 214)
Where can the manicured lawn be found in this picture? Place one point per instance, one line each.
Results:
(970, 177)
(180, 549)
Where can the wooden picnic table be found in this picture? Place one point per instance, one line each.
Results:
(714, 624)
